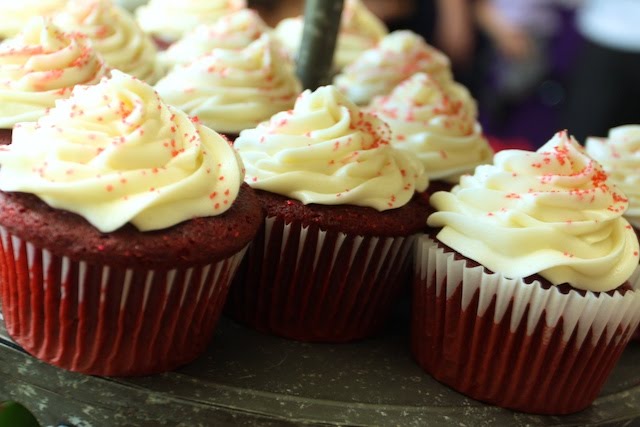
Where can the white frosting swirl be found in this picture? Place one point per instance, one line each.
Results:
(620, 157)
(39, 66)
(115, 34)
(328, 152)
(232, 90)
(359, 30)
(553, 212)
(17, 14)
(437, 123)
(397, 57)
(234, 31)
(115, 153)
(170, 19)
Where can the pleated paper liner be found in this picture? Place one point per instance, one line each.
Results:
(513, 344)
(307, 284)
(105, 320)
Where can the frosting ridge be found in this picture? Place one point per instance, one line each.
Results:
(397, 57)
(232, 90)
(328, 152)
(437, 123)
(553, 212)
(41, 65)
(115, 35)
(115, 153)
(619, 154)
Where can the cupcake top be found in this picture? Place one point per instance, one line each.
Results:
(170, 19)
(328, 152)
(397, 57)
(115, 34)
(619, 154)
(232, 90)
(115, 153)
(553, 212)
(359, 30)
(16, 14)
(234, 31)
(39, 66)
(437, 123)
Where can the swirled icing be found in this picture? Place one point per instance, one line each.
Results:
(172, 19)
(115, 34)
(17, 14)
(328, 152)
(41, 65)
(115, 153)
(232, 90)
(553, 212)
(397, 57)
(619, 154)
(437, 123)
(234, 31)
(359, 30)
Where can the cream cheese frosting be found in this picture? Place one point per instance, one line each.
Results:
(115, 34)
(397, 57)
(327, 151)
(553, 212)
(232, 90)
(619, 154)
(17, 14)
(115, 153)
(234, 31)
(437, 123)
(359, 30)
(170, 19)
(41, 65)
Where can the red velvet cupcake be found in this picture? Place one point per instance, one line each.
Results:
(136, 221)
(528, 295)
(341, 219)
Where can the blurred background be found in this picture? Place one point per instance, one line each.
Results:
(534, 66)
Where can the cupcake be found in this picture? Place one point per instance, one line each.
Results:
(398, 56)
(527, 295)
(232, 90)
(122, 222)
(341, 219)
(39, 66)
(168, 20)
(16, 15)
(359, 30)
(438, 124)
(115, 35)
(234, 31)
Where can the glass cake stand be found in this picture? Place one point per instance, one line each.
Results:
(247, 378)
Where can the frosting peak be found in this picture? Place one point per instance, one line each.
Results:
(436, 122)
(16, 14)
(115, 34)
(552, 212)
(328, 152)
(172, 19)
(115, 153)
(232, 90)
(619, 154)
(234, 31)
(397, 57)
(41, 65)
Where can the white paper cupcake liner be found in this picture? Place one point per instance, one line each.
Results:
(309, 284)
(515, 344)
(104, 320)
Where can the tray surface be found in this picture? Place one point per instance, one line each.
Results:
(250, 378)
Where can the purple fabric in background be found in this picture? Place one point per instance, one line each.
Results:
(537, 114)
